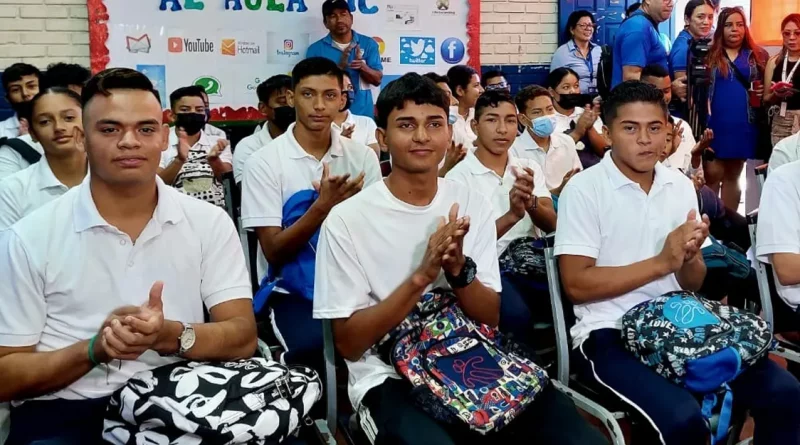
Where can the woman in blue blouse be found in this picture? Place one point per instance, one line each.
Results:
(735, 62)
(699, 18)
(579, 53)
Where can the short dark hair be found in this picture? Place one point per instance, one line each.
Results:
(66, 74)
(654, 70)
(62, 91)
(17, 71)
(632, 8)
(460, 76)
(694, 4)
(102, 83)
(557, 75)
(328, 6)
(316, 66)
(410, 87)
(529, 93)
(572, 22)
(271, 85)
(190, 91)
(491, 99)
(489, 75)
(629, 92)
(437, 78)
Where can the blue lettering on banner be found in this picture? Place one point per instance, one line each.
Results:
(417, 51)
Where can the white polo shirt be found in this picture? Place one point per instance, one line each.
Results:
(283, 168)
(62, 280)
(462, 128)
(473, 174)
(785, 151)
(779, 222)
(9, 128)
(11, 161)
(682, 158)
(246, 147)
(364, 132)
(373, 242)
(604, 215)
(556, 162)
(196, 177)
(564, 123)
(27, 190)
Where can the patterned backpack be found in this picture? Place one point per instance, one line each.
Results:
(460, 371)
(253, 401)
(699, 344)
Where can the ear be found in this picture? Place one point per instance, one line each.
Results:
(607, 135)
(459, 92)
(380, 135)
(263, 108)
(165, 132)
(473, 124)
(522, 119)
(290, 98)
(170, 116)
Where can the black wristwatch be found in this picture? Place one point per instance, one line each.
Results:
(466, 277)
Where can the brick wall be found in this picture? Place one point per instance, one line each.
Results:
(518, 32)
(40, 32)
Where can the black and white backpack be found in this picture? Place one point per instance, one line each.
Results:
(254, 401)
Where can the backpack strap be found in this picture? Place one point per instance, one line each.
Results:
(27, 152)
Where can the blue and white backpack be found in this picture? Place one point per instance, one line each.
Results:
(699, 344)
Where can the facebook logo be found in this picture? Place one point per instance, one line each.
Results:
(452, 50)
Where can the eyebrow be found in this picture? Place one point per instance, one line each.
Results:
(642, 123)
(113, 122)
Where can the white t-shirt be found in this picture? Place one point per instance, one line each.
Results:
(462, 129)
(373, 242)
(196, 177)
(785, 151)
(9, 128)
(779, 222)
(246, 147)
(283, 168)
(604, 215)
(682, 158)
(27, 190)
(364, 132)
(473, 174)
(62, 280)
(563, 123)
(11, 161)
(556, 162)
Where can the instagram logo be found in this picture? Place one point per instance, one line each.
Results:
(288, 45)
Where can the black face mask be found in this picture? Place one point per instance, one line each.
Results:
(24, 110)
(284, 116)
(191, 123)
(570, 101)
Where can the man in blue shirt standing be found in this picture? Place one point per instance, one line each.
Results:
(355, 53)
(638, 44)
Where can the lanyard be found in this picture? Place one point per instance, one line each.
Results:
(785, 66)
(588, 60)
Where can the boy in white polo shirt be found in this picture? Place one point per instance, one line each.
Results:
(21, 82)
(310, 157)
(273, 103)
(628, 231)
(555, 152)
(381, 250)
(520, 201)
(360, 129)
(465, 83)
(113, 277)
(196, 162)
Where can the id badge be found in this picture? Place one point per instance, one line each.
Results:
(783, 109)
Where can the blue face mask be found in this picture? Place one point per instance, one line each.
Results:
(543, 126)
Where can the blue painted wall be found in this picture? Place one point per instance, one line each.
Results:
(520, 76)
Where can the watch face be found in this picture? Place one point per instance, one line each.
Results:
(187, 339)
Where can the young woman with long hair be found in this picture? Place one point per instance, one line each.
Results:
(783, 69)
(737, 72)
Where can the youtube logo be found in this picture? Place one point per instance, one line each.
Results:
(175, 45)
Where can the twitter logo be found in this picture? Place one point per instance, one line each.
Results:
(417, 51)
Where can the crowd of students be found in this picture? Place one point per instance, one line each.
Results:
(118, 256)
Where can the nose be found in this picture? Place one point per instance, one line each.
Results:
(420, 135)
(319, 103)
(129, 141)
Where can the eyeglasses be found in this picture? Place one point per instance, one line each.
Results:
(585, 26)
(497, 86)
(790, 34)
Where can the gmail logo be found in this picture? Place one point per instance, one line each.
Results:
(139, 44)
(228, 47)
(288, 45)
(175, 45)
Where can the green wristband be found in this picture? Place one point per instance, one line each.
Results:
(91, 351)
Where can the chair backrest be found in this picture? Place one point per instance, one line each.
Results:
(761, 176)
(253, 250)
(233, 198)
(330, 374)
(563, 314)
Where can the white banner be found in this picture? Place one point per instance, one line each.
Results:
(230, 46)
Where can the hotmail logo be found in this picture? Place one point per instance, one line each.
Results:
(232, 47)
